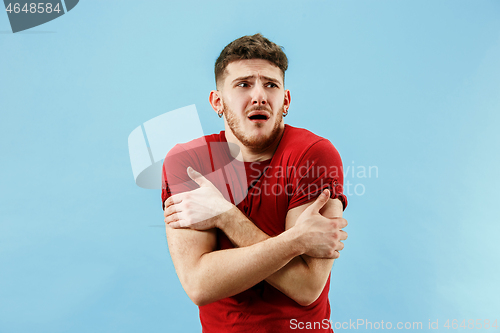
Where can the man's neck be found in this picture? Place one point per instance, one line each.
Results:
(249, 154)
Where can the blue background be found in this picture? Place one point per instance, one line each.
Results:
(410, 87)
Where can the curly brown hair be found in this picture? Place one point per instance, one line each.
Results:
(250, 47)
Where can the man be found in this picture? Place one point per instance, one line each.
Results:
(254, 214)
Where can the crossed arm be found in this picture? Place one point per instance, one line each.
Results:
(304, 277)
(296, 262)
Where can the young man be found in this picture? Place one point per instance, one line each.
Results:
(254, 214)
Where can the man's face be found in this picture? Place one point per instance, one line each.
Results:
(253, 99)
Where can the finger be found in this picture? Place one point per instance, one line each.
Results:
(198, 177)
(320, 201)
(172, 218)
(340, 246)
(173, 199)
(343, 235)
(179, 224)
(174, 225)
(170, 210)
(334, 255)
(341, 222)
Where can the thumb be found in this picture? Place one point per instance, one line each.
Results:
(321, 200)
(197, 177)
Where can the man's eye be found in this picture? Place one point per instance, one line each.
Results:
(242, 84)
(272, 85)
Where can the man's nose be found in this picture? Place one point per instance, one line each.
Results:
(259, 96)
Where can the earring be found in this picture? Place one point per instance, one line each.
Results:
(285, 113)
(220, 113)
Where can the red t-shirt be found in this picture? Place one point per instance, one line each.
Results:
(303, 165)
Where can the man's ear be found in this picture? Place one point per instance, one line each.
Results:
(288, 99)
(215, 100)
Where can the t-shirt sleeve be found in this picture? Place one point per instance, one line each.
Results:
(319, 168)
(208, 158)
(174, 177)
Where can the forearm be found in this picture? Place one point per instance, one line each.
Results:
(302, 279)
(220, 274)
(239, 229)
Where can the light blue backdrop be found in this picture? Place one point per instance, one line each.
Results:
(411, 88)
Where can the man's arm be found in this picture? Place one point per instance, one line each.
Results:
(304, 277)
(209, 275)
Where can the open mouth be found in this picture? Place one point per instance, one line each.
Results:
(258, 116)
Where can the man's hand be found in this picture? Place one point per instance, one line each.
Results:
(198, 209)
(321, 236)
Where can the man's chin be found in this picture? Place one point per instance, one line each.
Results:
(261, 139)
(257, 144)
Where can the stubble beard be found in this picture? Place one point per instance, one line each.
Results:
(254, 143)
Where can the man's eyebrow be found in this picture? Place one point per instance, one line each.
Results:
(271, 79)
(243, 78)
